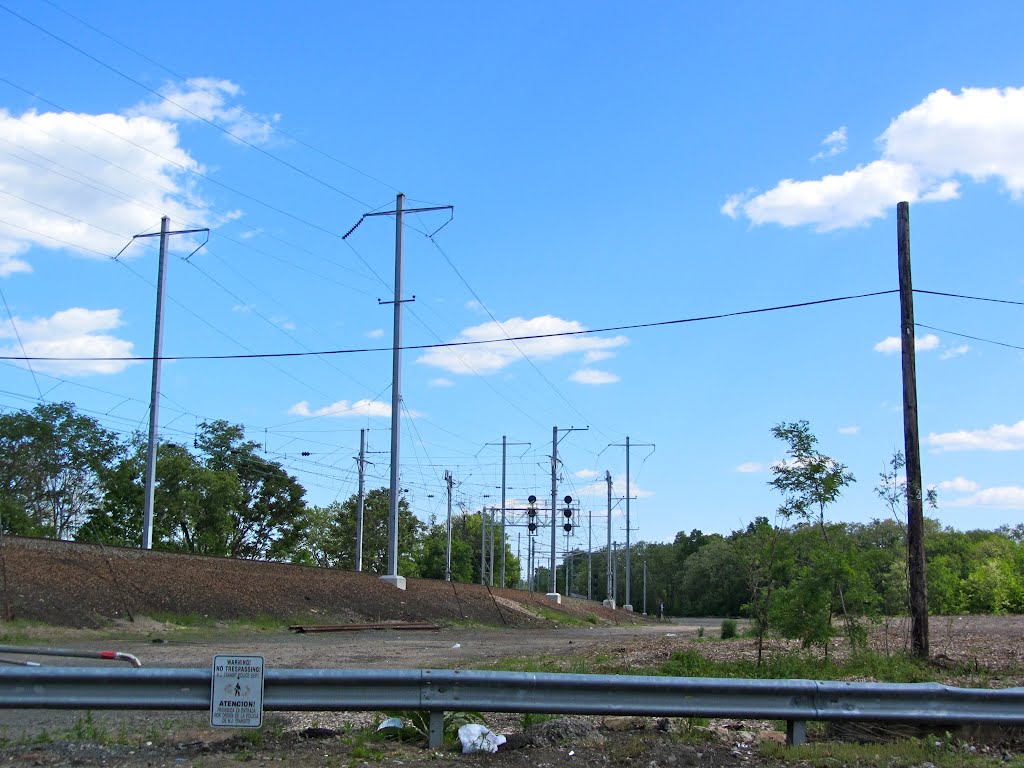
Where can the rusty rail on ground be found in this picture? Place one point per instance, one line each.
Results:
(408, 625)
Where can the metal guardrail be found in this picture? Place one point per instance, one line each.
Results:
(437, 691)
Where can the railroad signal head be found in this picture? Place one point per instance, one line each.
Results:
(532, 527)
(532, 499)
(567, 512)
(531, 512)
(568, 499)
(567, 527)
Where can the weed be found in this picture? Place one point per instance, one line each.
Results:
(416, 724)
(728, 629)
(700, 631)
(898, 754)
(89, 729)
(531, 719)
(788, 666)
(591, 618)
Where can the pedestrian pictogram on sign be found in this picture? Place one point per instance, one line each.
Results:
(236, 692)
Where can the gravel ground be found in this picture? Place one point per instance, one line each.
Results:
(108, 598)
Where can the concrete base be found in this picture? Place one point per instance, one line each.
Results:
(628, 608)
(609, 603)
(555, 597)
(395, 581)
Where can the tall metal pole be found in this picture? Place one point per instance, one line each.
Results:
(448, 545)
(609, 588)
(915, 503)
(504, 448)
(627, 605)
(483, 544)
(154, 394)
(554, 507)
(396, 401)
(362, 500)
(645, 587)
(615, 569)
(590, 555)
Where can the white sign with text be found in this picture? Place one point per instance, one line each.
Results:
(236, 692)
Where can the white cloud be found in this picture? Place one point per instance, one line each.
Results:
(442, 382)
(600, 490)
(204, 98)
(597, 355)
(958, 484)
(998, 437)
(344, 408)
(586, 474)
(474, 306)
(952, 352)
(593, 376)
(892, 344)
(851, 430)
(1004, 497)
(749, 467)
(978, 133)
(376, 333)
(74, 332)
(489, 358)
(73, 164)
(833, 144)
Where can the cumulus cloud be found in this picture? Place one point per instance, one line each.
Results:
(489, 358)
(892, 344)
(998, 437)
(74, 332)
(206, 98)
(344, 408)
(593, 376)
(749, 467)
(586, 474)
(952, 352)
(61, 170)
(926, 152)
(597, 355)
(851, 430)
(441, 382)
(1003, 497)
(376, 333)
(958, 484)
(833, 144)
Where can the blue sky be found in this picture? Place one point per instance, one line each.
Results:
(608, 167)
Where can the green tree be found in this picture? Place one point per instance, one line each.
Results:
(809, 482)
(713, 581)
(266, 520)
(328, 535)
(53, 461)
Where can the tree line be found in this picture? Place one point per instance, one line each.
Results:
(798, 574)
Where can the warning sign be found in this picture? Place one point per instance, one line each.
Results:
(236, 692)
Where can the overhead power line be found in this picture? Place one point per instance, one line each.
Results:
(507, 339)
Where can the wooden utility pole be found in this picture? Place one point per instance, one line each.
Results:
(915, 500)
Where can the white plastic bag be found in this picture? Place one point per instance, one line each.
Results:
(479, 738)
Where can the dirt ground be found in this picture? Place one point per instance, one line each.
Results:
(107, 599)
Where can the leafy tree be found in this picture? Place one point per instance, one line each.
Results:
(328, 535)
(810, 481)
(763, 556)
(265, 521)
(52, 465)
(713, 581)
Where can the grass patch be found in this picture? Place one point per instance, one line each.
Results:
(901, 754)
(558, 617)
(892, 669)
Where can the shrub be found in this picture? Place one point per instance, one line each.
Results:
(728, 628)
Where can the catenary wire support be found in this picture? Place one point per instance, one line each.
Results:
(627, 605)
(392, 576)
(158, 340)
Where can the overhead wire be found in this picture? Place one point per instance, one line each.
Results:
(219, 97)
(183, 108)
(478, 342)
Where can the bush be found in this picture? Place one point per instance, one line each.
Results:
(728, 628)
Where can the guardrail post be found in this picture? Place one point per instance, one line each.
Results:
(796, 732)
(436, 729)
